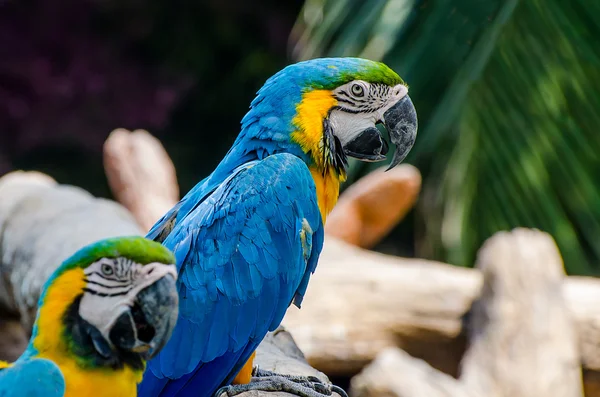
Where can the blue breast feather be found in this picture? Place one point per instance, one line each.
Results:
(244, 252)
(32, 377)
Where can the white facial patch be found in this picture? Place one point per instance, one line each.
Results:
(112, 285)
(360, 106)
(347, 126)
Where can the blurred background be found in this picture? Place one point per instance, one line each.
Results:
(506, 91)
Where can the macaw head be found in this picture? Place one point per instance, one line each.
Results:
(112, 303)
(327, 110)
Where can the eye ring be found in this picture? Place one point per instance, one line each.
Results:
(357, 90)
(107, 269)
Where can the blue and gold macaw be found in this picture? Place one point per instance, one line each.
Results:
(101, 315)
(247, 238)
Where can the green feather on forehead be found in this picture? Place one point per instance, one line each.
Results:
(136, 248)
(357, 69)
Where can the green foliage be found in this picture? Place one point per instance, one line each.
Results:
(507, 96)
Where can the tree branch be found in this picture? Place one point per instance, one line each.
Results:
(375, 301)
(140, 174)
(522, 342)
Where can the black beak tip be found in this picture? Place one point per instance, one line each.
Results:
(402, 124)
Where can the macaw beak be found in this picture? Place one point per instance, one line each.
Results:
(401, 123)
(148, 325)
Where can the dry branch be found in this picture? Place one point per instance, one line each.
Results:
(375, 301)
(522, 342)
(521, 338)
(373, 205)
(395, 373)
(13, 338)
(141, 174)
(41, 224)
(360, 302)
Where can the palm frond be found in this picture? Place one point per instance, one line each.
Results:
(507, 94)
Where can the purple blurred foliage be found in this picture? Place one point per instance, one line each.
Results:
(62, 83)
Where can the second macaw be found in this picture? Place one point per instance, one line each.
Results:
(247, 238)
(102, 313)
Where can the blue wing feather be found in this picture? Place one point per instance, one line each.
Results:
(243, 254)
(32, 378)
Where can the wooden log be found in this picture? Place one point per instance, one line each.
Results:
(360, 302)
(41, 224)
(395, 373)
(373, 205)
(13, 338)
(140, 174)
(522, 342)
(278, 352)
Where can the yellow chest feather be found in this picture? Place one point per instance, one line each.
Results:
(50, 344)
(99, 382)
(328, 191)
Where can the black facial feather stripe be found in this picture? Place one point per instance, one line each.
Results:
(352, 99)
(105, 294)
(102, 276)
(108, 286)
(345, 101)
(347, 110)
(349, 99)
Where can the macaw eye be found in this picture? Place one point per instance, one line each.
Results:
(107, 269)
(358, 90)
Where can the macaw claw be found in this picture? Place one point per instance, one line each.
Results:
(301, 386)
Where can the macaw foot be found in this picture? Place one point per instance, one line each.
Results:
(301, 386)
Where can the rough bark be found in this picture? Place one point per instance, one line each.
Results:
(360, 302)
(394, 373)
(373, 205)
(13, 338)
(522, 342)
(278, 352)
(375, 301)
(41, 224)
(141, 174)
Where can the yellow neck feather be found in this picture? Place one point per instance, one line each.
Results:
(328, 190)
(50, 344)
(310, 113)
